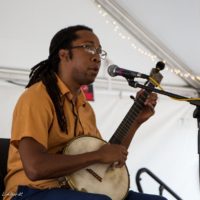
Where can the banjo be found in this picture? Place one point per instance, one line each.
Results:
(103, 178)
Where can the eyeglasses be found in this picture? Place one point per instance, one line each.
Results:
(91, 49)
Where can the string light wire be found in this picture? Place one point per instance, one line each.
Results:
(117, 29)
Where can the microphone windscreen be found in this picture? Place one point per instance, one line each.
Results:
(111, 70)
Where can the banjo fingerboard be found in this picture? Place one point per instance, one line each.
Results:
(134, 111)
(130, 117)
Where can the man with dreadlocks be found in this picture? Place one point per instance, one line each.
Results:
(52, 111)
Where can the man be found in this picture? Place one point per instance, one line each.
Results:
(51, 112)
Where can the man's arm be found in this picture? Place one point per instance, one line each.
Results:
(39, 164)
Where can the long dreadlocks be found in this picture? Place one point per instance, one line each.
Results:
(45, 70)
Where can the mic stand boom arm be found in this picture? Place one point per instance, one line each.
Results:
(135, 84)
(196, 103)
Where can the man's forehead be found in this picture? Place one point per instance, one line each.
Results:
(87, 37)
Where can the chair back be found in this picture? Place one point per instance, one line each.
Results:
(4, 146)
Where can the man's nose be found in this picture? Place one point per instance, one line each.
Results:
(96, 58)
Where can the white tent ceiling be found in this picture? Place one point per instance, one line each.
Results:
(170, 29)
(175, 24)
(136, 33)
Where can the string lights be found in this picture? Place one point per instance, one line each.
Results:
(117, 29)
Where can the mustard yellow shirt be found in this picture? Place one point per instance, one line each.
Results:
(34, 116)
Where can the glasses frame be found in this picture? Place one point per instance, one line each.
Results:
(92, 50)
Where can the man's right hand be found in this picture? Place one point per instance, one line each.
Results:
(113, 154)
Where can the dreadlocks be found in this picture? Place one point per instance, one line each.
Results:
(45, 70)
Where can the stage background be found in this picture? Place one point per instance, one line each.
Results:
(145, 33)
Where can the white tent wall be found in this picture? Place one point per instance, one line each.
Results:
(166, 144)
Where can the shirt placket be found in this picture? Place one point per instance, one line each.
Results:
(77, 124)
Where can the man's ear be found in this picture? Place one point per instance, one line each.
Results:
(63, 54)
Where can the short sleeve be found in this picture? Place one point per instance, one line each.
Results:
(32, 117)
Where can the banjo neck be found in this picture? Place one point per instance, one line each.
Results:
(125, 126)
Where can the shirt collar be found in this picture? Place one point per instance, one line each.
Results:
(81, 99)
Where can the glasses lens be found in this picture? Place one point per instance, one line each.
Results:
(103, 54)
(93, 50)
(90, 49)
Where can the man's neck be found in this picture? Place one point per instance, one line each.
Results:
(73, 87)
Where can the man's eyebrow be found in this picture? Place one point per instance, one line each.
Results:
(91, 42)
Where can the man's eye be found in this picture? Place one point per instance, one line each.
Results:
(89, 46)
(99, 50)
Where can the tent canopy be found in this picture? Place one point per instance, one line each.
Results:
(149, 31)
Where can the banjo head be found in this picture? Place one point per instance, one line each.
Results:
(97, 178)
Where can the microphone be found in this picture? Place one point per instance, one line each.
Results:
(114, 70)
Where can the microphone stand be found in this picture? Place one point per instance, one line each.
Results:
(196, 103)
(196, 114)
